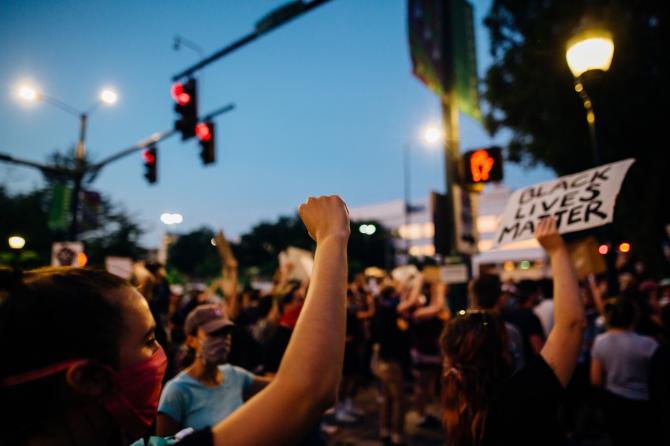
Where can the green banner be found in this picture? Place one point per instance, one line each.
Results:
(465, 58)
(442, 48)
(59, 211)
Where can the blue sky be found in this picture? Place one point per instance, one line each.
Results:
(324, 104)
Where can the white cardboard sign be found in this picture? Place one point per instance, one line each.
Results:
(579, 201)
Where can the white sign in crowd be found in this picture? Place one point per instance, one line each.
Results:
(579, 201)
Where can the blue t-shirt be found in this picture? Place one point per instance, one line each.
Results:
(193, 404)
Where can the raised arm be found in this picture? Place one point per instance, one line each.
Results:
(565, 339)
(307, 380)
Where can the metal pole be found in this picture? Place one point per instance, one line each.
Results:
(451, 156)
(406, 209)
(305, 7)
(81, 145)
(610, 257)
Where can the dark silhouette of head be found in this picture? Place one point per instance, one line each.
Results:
(476, 362)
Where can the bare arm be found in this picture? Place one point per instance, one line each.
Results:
(437, 303)
(307, 380)
(596, 373)
(166, 425)
(413, 294)
(565, 339)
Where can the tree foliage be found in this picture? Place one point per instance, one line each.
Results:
(531, 91)
(194, 255)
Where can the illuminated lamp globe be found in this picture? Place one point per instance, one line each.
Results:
(589, 49)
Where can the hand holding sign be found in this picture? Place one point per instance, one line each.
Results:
(547, 235)
(580, 201)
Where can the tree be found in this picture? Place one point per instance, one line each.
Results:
(194, 255)
(530, 90)
(113, 232)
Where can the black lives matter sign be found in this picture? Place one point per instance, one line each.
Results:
(579, 201)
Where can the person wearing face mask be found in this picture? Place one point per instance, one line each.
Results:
(209, 390)
(81, 365)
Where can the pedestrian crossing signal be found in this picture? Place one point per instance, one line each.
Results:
(484, 165)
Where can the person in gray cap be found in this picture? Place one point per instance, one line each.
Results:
(208, 390)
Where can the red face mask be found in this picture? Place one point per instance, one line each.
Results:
(134, 400)
(138, 388)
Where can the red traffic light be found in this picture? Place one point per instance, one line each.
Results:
(203, 132)
(149, 156)
(603, 249)
(179, 95)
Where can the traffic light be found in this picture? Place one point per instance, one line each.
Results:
(205, 133)
(150, 158)
(186, 98)
(483, 165)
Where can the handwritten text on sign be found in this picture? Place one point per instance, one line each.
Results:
(580, 201)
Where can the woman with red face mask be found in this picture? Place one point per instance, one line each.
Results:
(81, 364)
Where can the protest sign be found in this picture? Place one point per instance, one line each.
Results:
(579, 201)
(299, 263)
(585, 258)
(66, 253)
(120, 266)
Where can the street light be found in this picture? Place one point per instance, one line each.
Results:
(589, 55)
(431, 135)
(30, 93)
(16, 242)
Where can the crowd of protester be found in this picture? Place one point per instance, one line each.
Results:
(526, 362)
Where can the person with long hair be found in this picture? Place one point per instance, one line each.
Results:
(485, 404)
(81, 365)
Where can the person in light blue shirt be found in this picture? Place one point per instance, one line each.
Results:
(209, 390)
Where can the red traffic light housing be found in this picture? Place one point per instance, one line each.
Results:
(186, 97)
(205, 133)
(150, 158)
(483, 165)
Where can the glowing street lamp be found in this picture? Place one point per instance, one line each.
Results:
(432, 135)
(16, 242)
(590, 49)
(109, 96)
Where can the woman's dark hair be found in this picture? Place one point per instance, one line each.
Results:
(621, 312)
(51, 315)
(476, 349)
(486, 289)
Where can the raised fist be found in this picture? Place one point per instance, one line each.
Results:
(325, 216)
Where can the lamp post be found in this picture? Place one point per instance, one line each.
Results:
(589, 55)
(107, 96)
(430, 136)
(16, 243)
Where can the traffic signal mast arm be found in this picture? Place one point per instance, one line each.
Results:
(155, 139)
(269, 22)
(95, 168)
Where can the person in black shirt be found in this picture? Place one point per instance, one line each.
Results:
(483, 403)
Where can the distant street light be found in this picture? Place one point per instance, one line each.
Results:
(16, 242)
(432, 135)
(367, 229)
(107, 96)
(171, 219)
